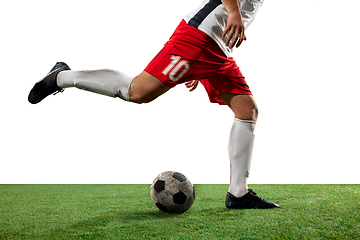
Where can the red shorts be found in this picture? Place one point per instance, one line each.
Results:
(190, 54)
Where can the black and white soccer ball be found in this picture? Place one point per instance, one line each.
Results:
(172, 192)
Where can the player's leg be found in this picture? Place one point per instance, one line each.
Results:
(241, 143)
(141, 89)
(241, 140)
(106, 82)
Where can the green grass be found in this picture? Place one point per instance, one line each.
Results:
(127, 212)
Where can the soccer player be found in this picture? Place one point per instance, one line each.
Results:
(198, 51)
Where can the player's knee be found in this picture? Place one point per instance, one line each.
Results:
(137, 99)
(146, 88)
(250, 113)
(255, 113)
(140, 98)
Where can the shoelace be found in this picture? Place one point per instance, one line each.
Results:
(58, 91)
(254, 194)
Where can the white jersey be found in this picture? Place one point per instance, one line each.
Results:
(211, 18)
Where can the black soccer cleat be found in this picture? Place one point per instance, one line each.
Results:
(248, 201)
(47, 85)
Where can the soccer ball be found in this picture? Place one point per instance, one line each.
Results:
(172, 192)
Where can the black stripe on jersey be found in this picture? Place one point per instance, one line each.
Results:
(203, 13)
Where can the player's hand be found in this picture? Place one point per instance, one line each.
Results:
(235, 30)
(192, 85)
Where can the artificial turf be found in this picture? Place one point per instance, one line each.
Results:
(127, 212)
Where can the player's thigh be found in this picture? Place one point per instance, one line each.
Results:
(145, 88)
(243, 106)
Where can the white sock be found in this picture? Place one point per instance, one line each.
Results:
(106, 82)
(241, 143)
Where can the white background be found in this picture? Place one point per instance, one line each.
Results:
(301, 61)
